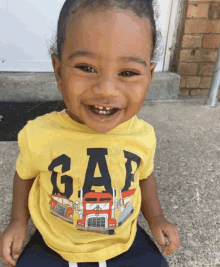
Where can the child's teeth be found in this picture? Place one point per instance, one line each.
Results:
(102, 110)
(99, 107)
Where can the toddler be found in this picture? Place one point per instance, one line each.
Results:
(84, 173)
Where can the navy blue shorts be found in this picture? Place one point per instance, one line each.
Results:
(142, 253)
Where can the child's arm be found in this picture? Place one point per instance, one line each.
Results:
(150, 204)
(153, 213)
(12, 238)
(21, 189)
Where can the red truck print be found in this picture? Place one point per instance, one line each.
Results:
(62, 207)
(97, 211)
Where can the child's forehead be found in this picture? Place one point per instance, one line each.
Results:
(112, 28)
(109, 20)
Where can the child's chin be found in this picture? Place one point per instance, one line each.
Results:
(101, 128)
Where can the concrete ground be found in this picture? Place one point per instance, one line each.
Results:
(187, 170)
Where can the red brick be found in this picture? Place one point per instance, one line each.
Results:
(193, 55)
(214, 11)
(202, 26)
(193, 82)
(205, 82)
(197, 11)
(211, 41)
(199, 92)
(206, 69)
(183, 92)
(183, 82)
(187, 69)
(190, 41)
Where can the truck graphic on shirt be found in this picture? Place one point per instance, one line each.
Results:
(62, 207)
(126, 209)
(97, 211)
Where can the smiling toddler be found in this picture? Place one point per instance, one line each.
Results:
(84, 174)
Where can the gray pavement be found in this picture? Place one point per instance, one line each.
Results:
(187, 170)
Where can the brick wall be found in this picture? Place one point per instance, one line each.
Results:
(199, 46)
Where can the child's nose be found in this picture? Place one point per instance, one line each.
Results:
(106, 86)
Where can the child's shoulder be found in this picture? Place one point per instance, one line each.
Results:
(46, 123)
(141, 131)
(142, 127)
(47, 120)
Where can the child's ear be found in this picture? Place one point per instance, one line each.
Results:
(57, 69)
(152, 69)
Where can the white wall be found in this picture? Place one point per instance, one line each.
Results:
(27, 27)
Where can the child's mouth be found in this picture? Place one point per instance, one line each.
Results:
(105, 111)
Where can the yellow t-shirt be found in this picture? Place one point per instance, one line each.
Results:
(86, 196)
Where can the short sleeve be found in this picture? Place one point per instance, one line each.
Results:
(147, 163)
(25, 164)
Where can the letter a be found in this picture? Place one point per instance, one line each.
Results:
(97, 156)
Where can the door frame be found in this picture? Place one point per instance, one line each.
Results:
(176, 15)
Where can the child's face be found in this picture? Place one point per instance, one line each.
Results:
(105, 81)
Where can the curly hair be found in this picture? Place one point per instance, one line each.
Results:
(141, 8)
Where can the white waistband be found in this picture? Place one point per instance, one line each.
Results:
(101, 264)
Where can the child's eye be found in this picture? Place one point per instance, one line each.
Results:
(83, 67)
(134, 73)
(88, 67)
